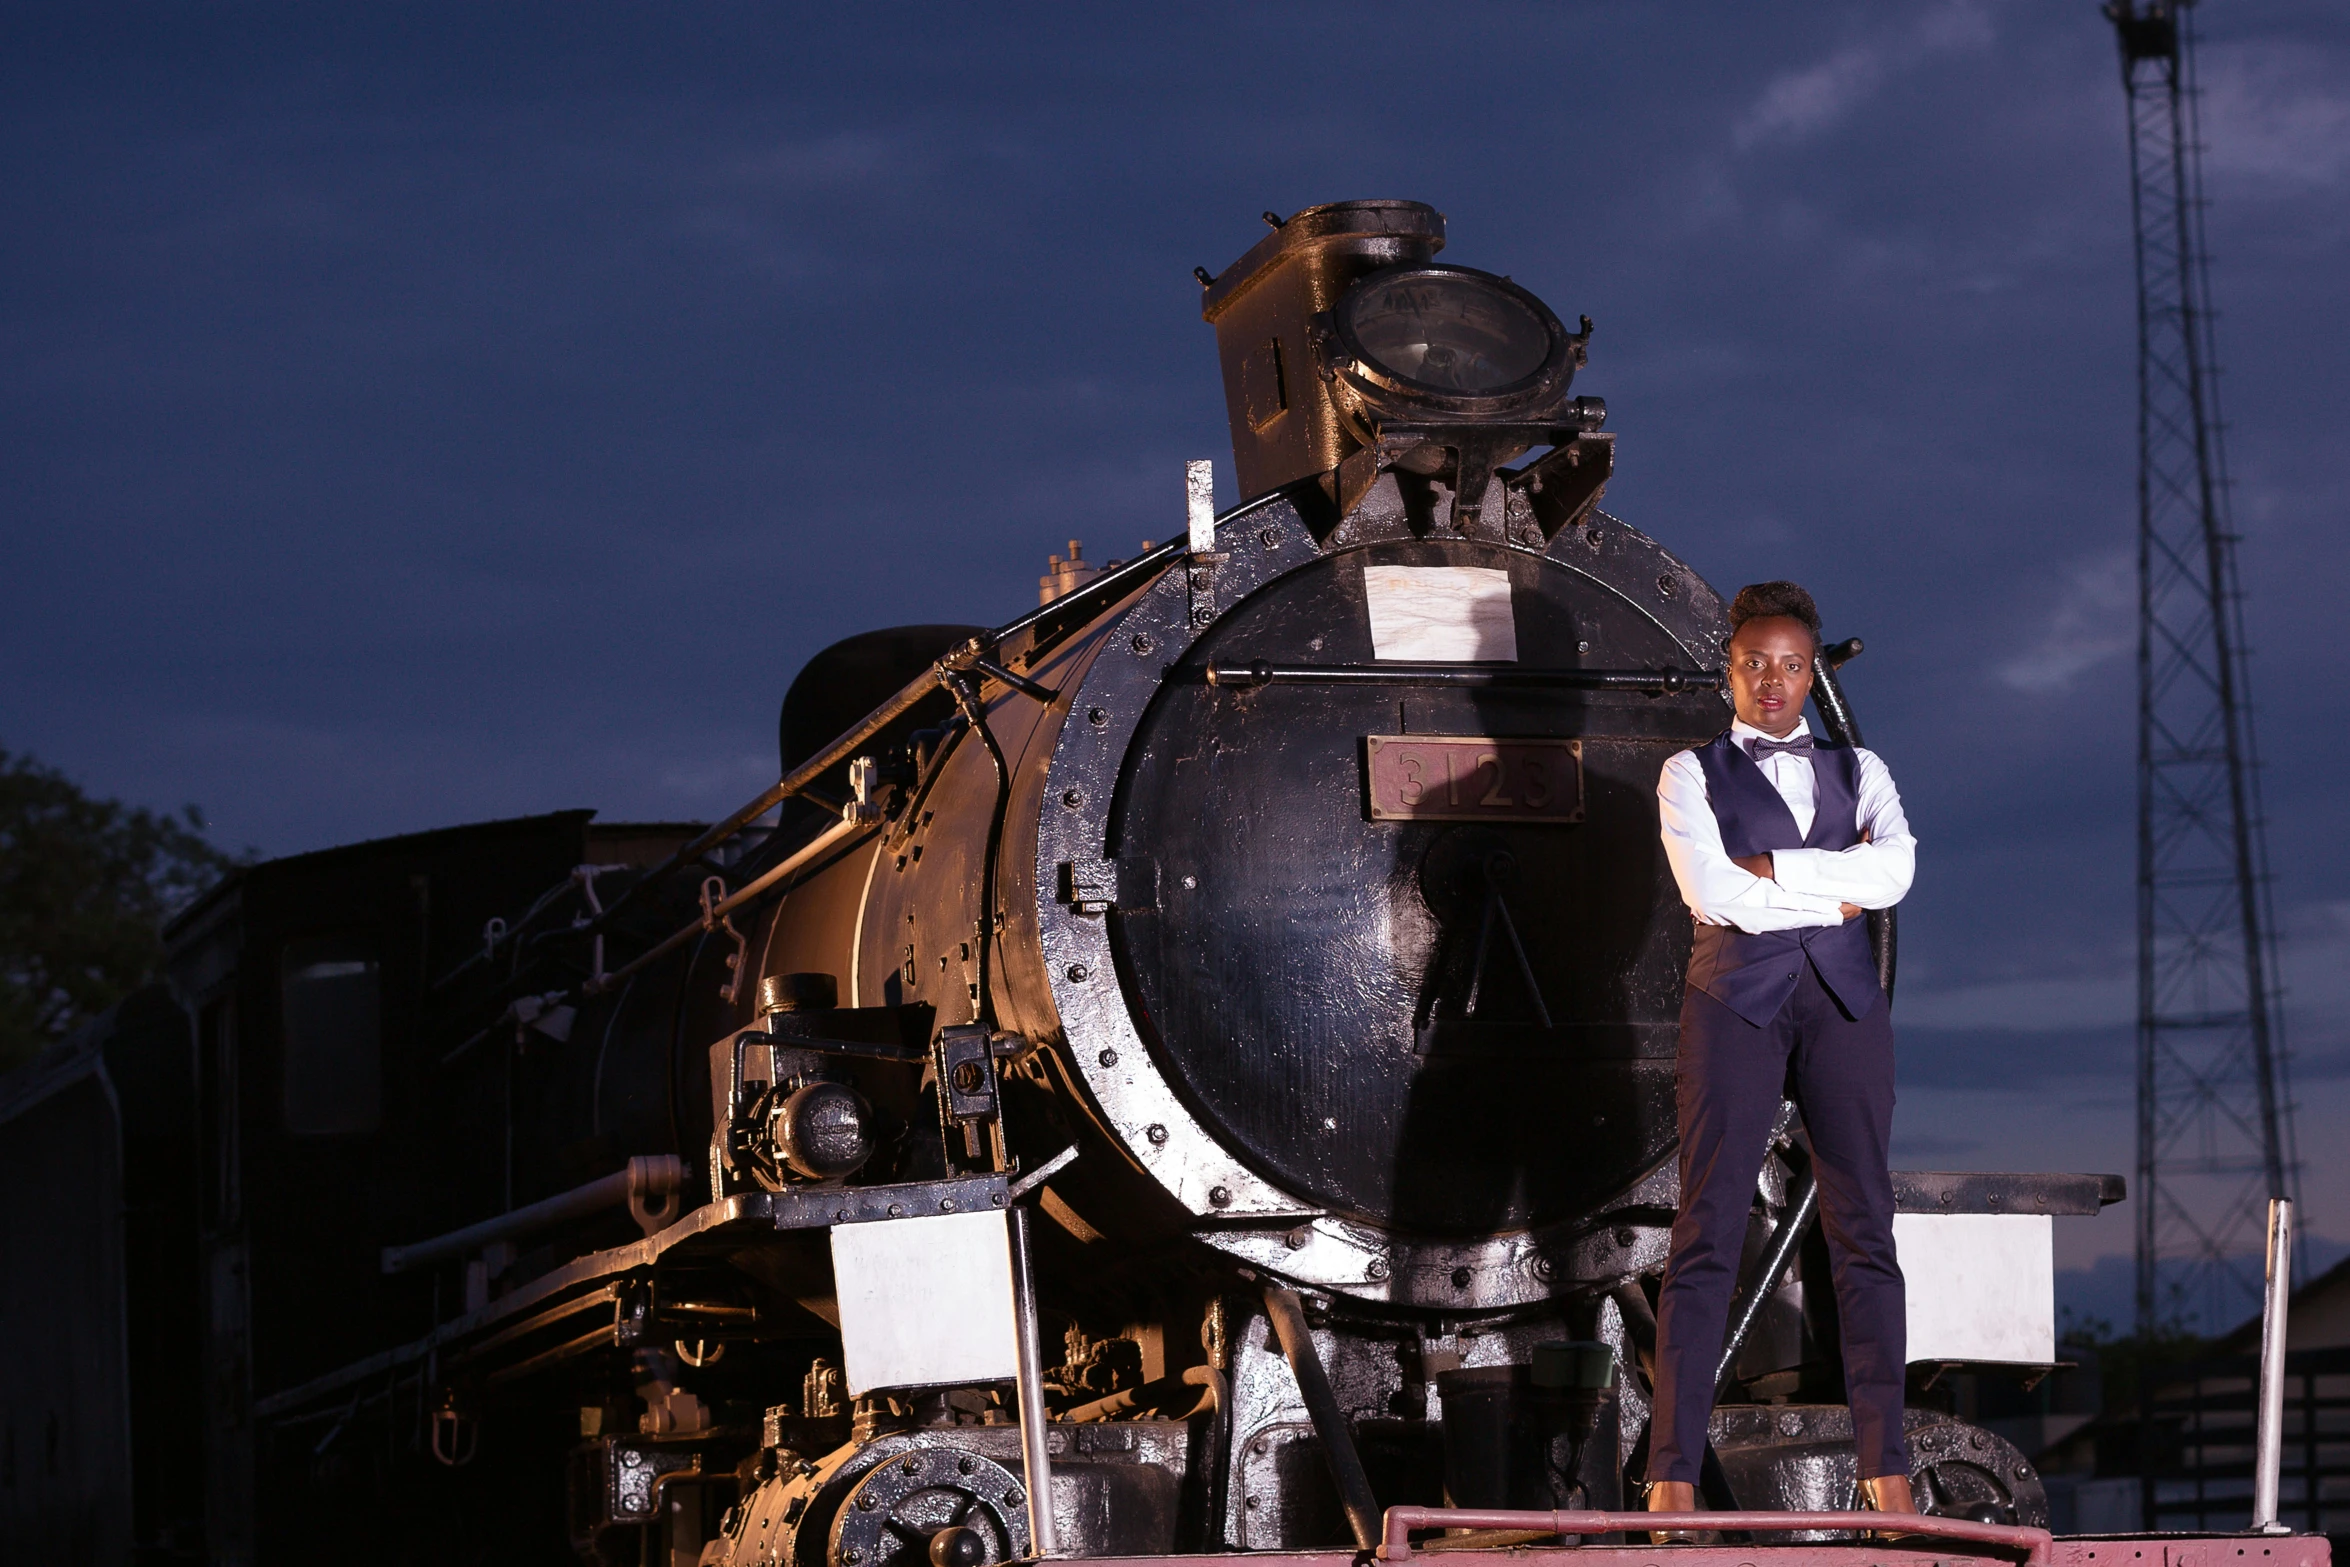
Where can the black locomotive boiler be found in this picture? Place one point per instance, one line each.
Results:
(1178, 1072)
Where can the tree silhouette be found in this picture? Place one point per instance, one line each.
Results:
(85, 887)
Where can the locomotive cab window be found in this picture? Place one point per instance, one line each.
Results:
(333, 1011)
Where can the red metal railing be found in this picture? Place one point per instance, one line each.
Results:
(1395, 1544)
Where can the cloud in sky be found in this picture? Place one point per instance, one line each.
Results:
(2093, 620)
(2034, 1006)
(2313, 956)
(1803, 102)
(2276, 118)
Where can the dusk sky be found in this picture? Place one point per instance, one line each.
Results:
(416, 414)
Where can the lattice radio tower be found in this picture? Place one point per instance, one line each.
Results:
(2215, 1129)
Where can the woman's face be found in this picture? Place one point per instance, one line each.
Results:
(1770, 672)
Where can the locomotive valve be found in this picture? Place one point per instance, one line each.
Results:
(957, 1546)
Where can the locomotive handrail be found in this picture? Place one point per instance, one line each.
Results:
(1671, 682)
(824, 842)
(973, 655)
(1104, 587)
(649, 1186)
(1395, 1541)
(804, 1208)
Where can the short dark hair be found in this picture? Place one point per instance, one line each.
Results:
(1761, 600)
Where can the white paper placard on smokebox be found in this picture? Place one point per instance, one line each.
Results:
(925, 1302)
(1441, 614)
(1981, 1286)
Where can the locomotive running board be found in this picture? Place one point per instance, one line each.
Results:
(1919, 1550)
(600, 1277)
(1399, 1523)
(1653, 682)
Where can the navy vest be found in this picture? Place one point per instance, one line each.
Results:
(1754, 975)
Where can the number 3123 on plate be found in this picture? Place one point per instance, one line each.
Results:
(1472, 778)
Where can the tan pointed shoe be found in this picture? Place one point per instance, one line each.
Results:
(1888, 1494)
(1671, 1496)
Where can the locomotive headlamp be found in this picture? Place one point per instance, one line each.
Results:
(1451, 371)
(824, 1131)
(1420, 341)
(1350, 351)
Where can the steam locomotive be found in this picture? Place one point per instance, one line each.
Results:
(1179, 1072)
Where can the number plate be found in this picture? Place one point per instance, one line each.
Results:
(1472, 778)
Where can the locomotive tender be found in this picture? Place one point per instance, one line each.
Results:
(1178, 1073)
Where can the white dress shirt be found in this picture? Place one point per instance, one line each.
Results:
(1809, 883)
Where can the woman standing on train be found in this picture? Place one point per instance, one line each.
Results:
(1780, 841)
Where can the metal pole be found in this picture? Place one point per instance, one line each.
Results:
(823, 843)
(1042, 1539)
(2148, 1236)
(1338, 1443)
(647, 1176)
(2269, 1450)
(1766, 1279)
(1827, 693)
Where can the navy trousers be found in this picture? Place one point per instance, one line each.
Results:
(1727, 1081)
